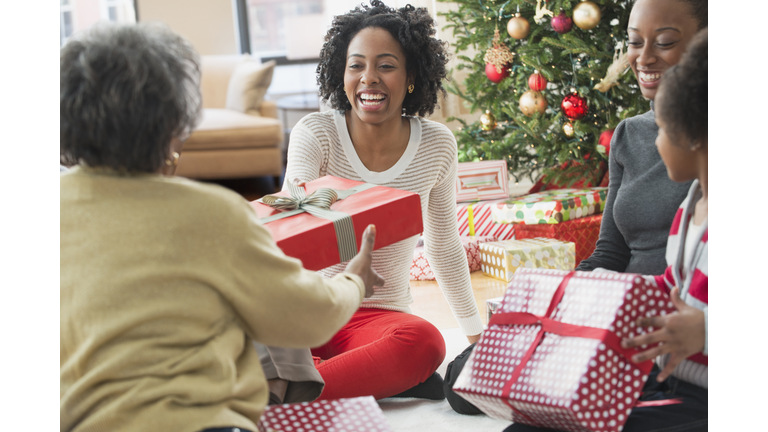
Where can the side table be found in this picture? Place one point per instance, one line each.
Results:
(296, 107)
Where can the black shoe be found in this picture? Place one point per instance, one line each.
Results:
(431, 389)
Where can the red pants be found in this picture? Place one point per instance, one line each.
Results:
(379, 353)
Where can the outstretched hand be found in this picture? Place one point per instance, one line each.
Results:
(361, 264)
(681, 335)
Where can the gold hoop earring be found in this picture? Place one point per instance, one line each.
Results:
(175, 160)
(410, 88)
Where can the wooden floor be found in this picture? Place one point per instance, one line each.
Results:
(428, 301)
(430, 304)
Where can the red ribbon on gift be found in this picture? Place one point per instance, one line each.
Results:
(548, 325)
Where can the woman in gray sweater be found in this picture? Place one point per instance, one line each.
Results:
(642, 200)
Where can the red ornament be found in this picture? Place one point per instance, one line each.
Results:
(562, 23)
(574, 106)
(537, 82)
(494, 75)
(605, 140)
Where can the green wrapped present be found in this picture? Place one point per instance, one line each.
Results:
(551, 207)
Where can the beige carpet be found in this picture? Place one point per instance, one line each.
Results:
(419, 415)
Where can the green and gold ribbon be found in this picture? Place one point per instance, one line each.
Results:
(318, 204)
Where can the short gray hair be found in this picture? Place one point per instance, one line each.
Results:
(126, 91)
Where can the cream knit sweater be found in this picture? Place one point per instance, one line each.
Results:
(320, 145)
(164, 284)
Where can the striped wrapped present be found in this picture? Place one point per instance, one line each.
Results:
(475, 220)
(485, 180)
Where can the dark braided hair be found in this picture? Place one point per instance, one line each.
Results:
(682, 98)
(413, 28)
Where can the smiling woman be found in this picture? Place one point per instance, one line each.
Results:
(381, 69)
(642, 200)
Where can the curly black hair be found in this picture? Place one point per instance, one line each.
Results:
(413, 28)
(682, 98)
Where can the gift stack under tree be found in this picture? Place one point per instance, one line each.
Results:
(486, 213)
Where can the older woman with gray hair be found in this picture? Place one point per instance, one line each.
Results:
(166, 282)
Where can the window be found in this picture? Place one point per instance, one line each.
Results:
(267, 23)
(118, 11)
(77, 15)
(66, 27)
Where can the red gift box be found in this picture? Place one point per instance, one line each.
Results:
(313, 240)
(354, 414)
(584, 232)
(475, 219)
(420, 269)
(551, 355)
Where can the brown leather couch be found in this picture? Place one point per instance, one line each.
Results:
(239, 134)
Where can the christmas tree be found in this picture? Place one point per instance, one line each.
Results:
(550, 78)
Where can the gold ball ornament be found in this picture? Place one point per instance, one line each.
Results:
(532, 102)
(487, 121)
(586, 15)
(518, 27)
(568, 129)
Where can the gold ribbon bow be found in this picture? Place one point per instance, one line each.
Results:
(319, 204)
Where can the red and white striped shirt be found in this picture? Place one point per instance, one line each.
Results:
(687, 269)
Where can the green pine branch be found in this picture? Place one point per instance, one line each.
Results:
(578, 59)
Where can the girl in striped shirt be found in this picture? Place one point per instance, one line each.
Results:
(681, 114)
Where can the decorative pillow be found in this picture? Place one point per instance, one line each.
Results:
(248, 85)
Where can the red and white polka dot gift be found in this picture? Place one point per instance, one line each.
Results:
(360, 414)
(420, 269)
(551, 355)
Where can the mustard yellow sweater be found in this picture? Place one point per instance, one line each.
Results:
(164, 284)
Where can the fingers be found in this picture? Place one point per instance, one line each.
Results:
(298, 183)
(369, 238)
(676, 300)
(649, 354)
(379, 281)
(646, 339)
(655, 321)
(671, 365)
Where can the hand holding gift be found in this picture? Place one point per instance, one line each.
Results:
(360, 265)
(681, 335)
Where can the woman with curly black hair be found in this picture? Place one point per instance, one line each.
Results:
(164, 281)
(381, 68)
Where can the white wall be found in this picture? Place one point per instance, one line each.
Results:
(208, 24)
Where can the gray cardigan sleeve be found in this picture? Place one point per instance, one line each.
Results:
(612, 251)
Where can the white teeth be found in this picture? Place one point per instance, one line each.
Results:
(372, 96)
(649, 77)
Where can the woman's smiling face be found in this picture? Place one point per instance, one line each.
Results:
(658, 33)
(375, 76)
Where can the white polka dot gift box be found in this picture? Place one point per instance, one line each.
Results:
(360, 414)
(420, 269)
(551, 207)
(502, 259)
(551, 355)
